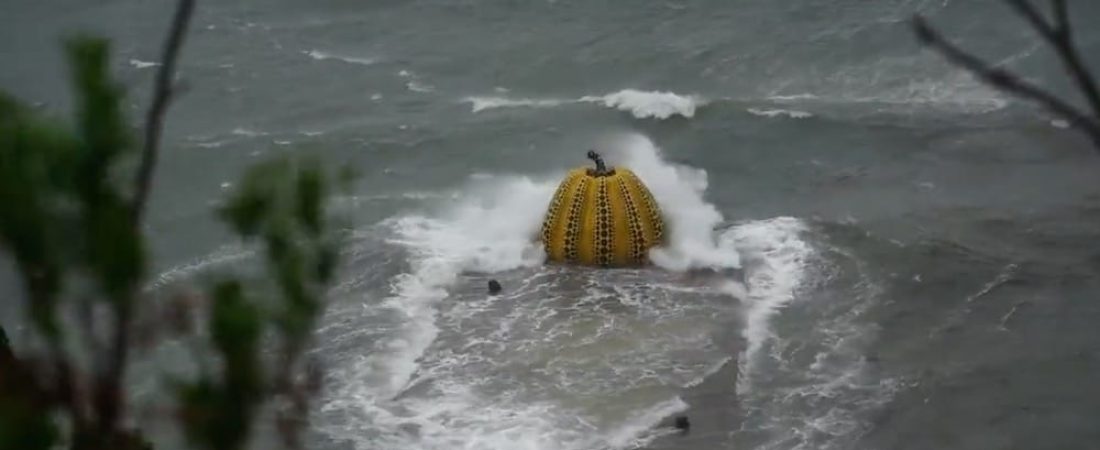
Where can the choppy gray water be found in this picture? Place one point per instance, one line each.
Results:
(920, 254)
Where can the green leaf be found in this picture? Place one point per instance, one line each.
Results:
(115, 248)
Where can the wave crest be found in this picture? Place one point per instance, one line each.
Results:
(321, 56)
(650, 104)
(641, 104)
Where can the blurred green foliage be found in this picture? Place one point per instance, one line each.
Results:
(66, 219)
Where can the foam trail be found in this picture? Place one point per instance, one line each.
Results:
(640, 428)
(774, 246)
(223, 255)
(649, 104)
(791, 113)
(479, 104)
(442, 247)
(640, 104)
(417, 86)
(240, 131)
(139, 64)
(414, 392)
(777, 246)
(793, 98)
(321, 56)
(690, 219)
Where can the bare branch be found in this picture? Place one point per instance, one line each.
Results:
(1061, 18)
(107, 396)
(1004, 80)
(1033, 16)
(1062, 41)
(1060, 36)
(154, 121)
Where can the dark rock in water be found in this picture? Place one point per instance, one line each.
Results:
(494, 287)
(682, 424)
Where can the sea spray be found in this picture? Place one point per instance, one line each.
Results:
(640, 104)
(478, 104)
(489, 231)
(649, 104)
(780, 254)
(690, 220)
(432, 378)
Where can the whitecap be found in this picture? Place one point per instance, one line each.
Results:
(479, 104)
(139, 64)
(690, 219)
(791, 113)
(321, 56)
(417, 86)
(781, 255)
(649, 104)
(239, 131)
(640, 104)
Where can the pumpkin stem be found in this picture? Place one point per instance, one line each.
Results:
(601, 169)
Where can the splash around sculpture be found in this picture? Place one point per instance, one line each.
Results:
(602, 217)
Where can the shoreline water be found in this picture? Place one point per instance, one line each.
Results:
(714, 409)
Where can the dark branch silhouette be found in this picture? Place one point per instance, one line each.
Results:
(108, 395)
(1060, 36)
(162, 95)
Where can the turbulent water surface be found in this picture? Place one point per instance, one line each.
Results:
(868, 249)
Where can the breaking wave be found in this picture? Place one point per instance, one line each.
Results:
(640, 104)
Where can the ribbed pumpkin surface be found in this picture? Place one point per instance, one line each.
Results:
(606, 220)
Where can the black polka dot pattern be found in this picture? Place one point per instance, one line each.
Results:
(637, 237)
(605, 236)
(654, 212)
(595, 210)
(552, 213)
(573, 221)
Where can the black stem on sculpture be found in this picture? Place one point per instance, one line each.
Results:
(601, 169)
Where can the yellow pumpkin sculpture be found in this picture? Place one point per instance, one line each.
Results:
(602, 217)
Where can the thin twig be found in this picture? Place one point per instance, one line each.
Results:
(1061, 17)
(1004, 80)
(1061, 39)
(1033, 16)
(154, 121)
(108, 395)
(108, 400)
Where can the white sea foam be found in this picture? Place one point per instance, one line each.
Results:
(239, 131)
(649, 104)
(223, 255)
(892, 85)
(479, 104)
(212, 144)
(779, 253)
(320, 56)
(792, 97)
(139, 64)
(418, 86)
(640, 104)
(679, 190)
(791, 113)
(414, 392)
(458, 240)
(640, 428)
(820, 402)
